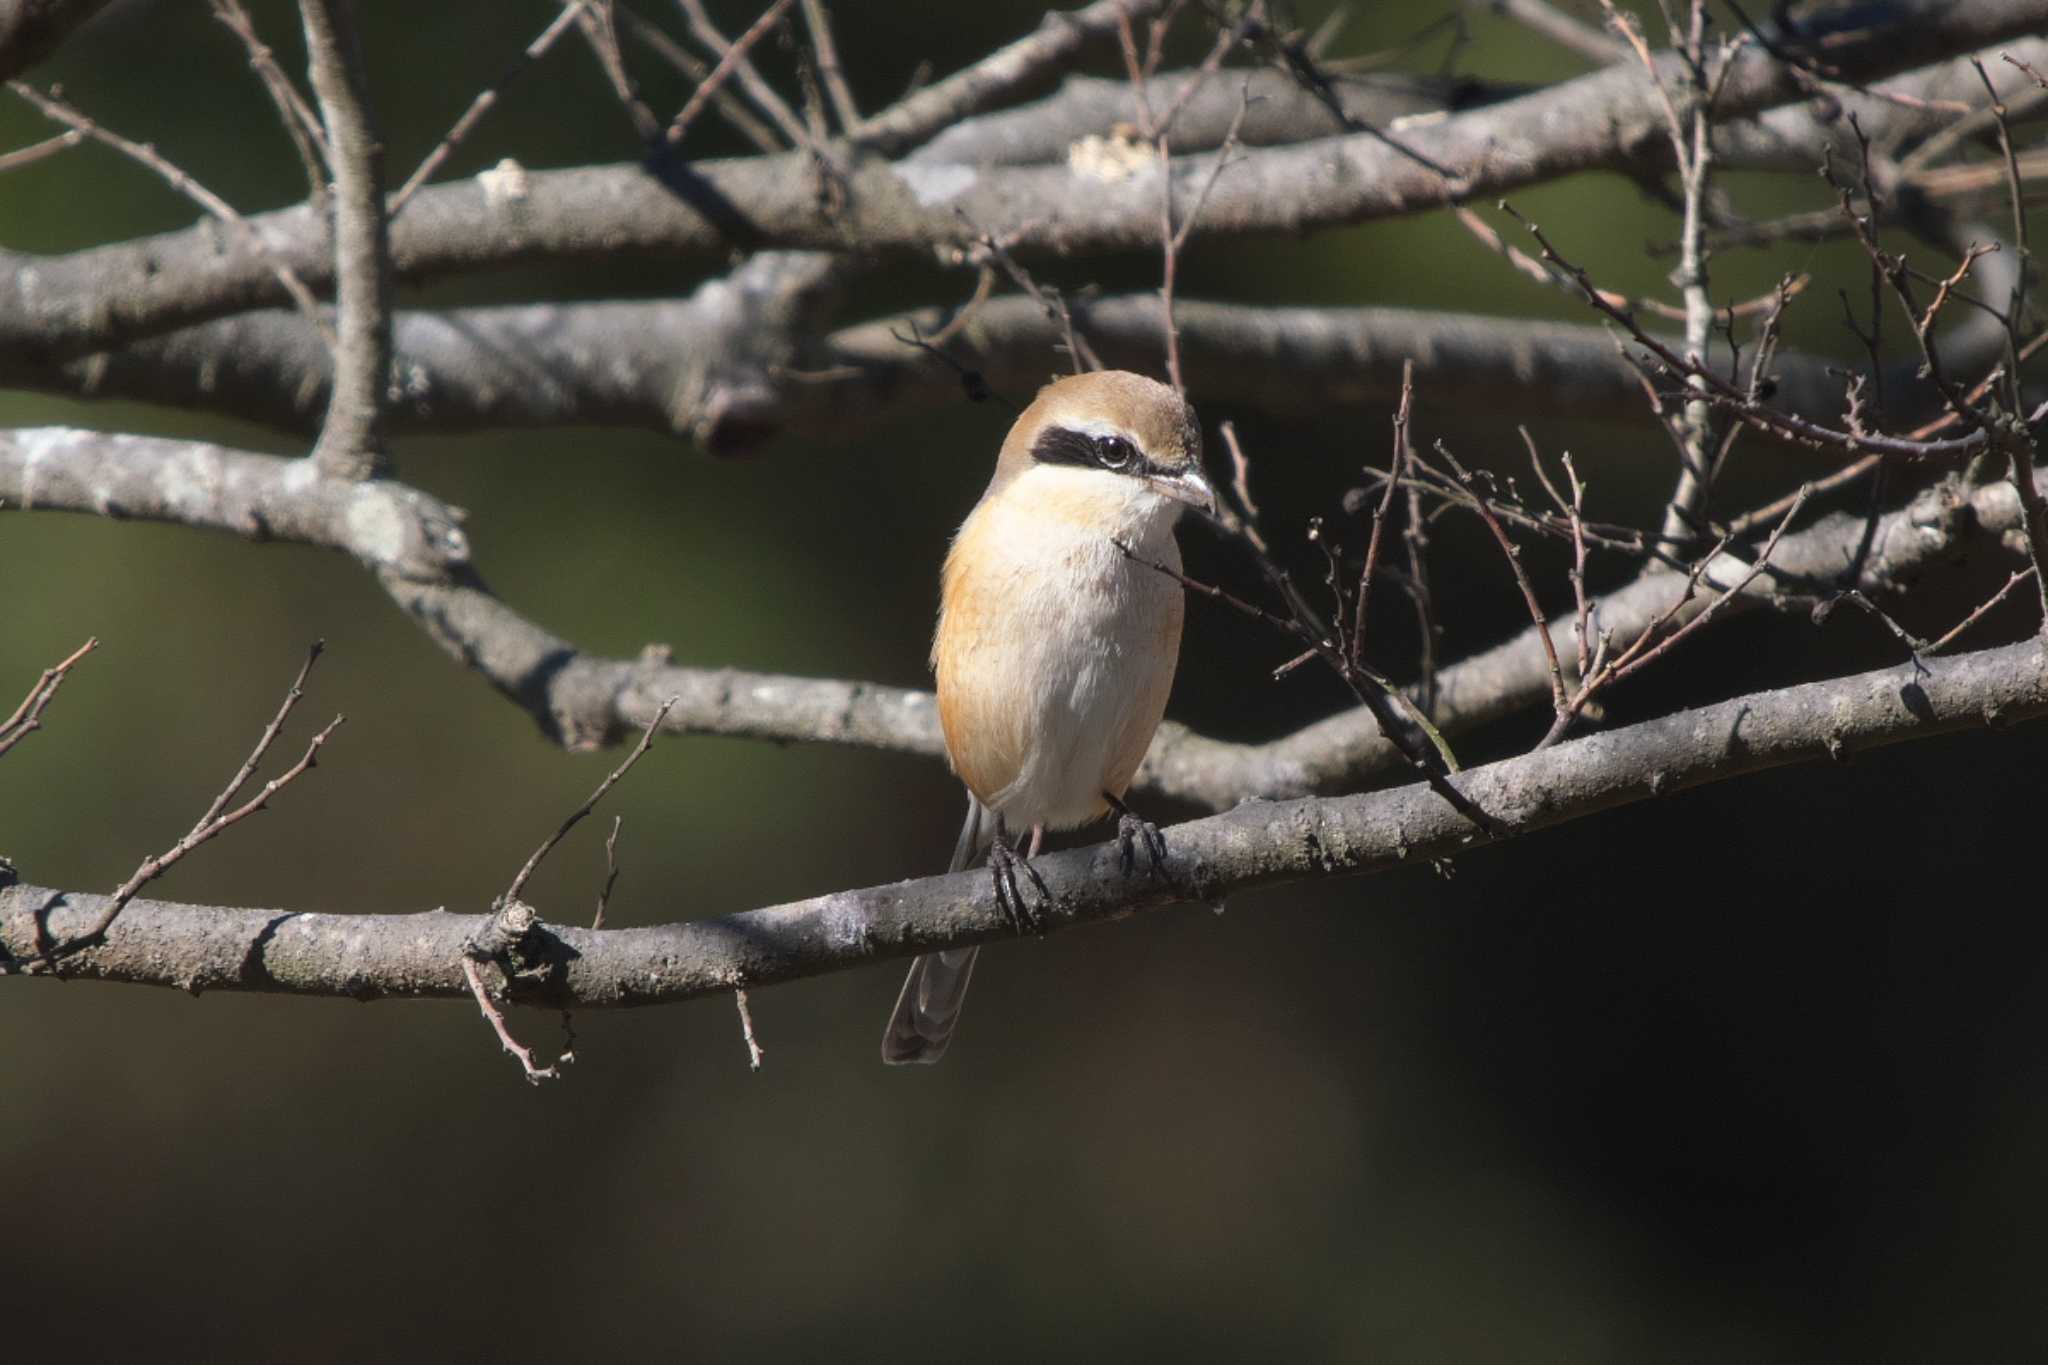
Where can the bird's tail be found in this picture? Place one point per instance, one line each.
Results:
(928, 1010)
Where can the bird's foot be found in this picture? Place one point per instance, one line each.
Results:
(1132, 830)
(1003, 864)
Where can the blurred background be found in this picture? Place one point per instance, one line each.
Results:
(1750, 1072)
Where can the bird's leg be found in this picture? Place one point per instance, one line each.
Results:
(1129, 830)
(1003, 862)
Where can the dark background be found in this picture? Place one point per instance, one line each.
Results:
(1751, 1072)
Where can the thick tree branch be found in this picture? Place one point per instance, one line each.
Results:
(729, 367)
(95, 299)
(365, 957)
(582, 701)
(261, 497)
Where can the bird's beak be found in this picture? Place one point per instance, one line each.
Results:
(1190, 486)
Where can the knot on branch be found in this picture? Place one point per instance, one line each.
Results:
(391, 526)
(514, 937)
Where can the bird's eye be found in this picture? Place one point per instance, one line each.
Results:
(1114, 452)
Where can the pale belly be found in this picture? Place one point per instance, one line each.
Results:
(1050, 697)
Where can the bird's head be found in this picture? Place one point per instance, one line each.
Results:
(1116, 444)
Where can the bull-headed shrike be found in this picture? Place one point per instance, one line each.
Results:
(1057, 641)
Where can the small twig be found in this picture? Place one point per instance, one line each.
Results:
(1174, 239)
(1216, 594)
(39, 151)
(829, 70)
(1786, 426)
(301, 124)
(1941, 643)
(730, 108)
(732, 61)
(143, 154)
(1415, 538)
(973, 382)
(217, 817)
(481, 105)
(611, 872)
(1640, 653)
(2011, 60)
(1397, 465)
(596, 19)
(984, 285)
(1079, 352)
(1244, 519)
(472, 972)
(752, 83)
(1514, 558)
(548, 844)
(754, 1053)
(28, 717)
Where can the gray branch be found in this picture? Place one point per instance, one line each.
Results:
(351, 435)
(582, 700)
(726, 367)
(199, 948)
(386, 525)
(103, 297)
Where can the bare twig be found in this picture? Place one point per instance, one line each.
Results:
(218, 816)
(739, 998)
(28, 717)
(733, 61)
(301, 124)
(548, 844)
(1513, 552)
(485, 100)
(39, 151)
(597, 20)
(1173, 239)
(1731, 398)
(1397, 467)
(472, 972)
(143, 154)
(611, 872)
(1943, 641)
(1641, 653)
(819, 22)
(730, 107)
(733, 56)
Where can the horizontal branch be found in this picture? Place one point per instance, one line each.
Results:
(386, 525)
(583, 700)
(1613, 119)
(724, 369)
(204, 948)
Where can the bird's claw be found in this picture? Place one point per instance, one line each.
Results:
(1003, 862)
(1130, 830)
